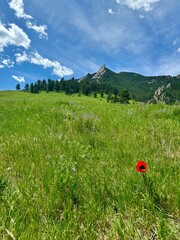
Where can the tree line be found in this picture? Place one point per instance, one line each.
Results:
(73, 86)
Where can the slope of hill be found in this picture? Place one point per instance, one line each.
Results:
(140, 87)
(68, 168)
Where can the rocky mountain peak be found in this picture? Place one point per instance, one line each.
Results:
(100, 72)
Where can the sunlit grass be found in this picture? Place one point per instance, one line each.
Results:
(69, 167)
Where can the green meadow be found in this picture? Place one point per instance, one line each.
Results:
(68, 168)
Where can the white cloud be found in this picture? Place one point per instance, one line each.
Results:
(36, 58)
(5, 61)
(19, 79)
(178, 50)
(8, 63)
(141, 16)
(13, 36)
(138, 4)
(110, 11)
(18, 7)
(41, 30)
(21, 57)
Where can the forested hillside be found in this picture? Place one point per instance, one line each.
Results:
(155, 89)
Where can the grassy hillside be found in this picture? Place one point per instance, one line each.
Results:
(68, 168)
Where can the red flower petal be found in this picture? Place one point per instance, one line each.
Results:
(141, 166)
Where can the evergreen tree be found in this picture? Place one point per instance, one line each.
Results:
(102, 94)
(57, 86)
(86, 90)
(109, 97)
(38, 83)
(67, 90)
(32, 88)
(36, 88)
(47, 88)
(26, 87)
(115, 99)
(18, 87)
(43, 85)
(124, 97)
(95, 94)
(115, 91)
(168, 97)
(50, 85)
(62, 85)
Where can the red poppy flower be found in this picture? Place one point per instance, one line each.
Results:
(141, 166)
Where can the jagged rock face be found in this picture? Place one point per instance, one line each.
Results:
(168, 86)
(159, 91)
(97, 75)
(100, 72)
(143, 88)
(160, 95)
(159, 98)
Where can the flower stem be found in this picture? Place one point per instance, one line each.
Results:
(152, 192)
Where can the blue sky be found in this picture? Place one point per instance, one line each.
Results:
(41, 39)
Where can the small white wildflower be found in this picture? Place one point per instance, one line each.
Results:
(73, 168)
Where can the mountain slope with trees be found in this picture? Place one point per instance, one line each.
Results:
(140, 87)
(152, 89)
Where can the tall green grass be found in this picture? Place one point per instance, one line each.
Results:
(67, 168)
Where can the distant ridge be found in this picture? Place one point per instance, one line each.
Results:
(142, 88)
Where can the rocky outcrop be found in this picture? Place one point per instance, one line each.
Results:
(96, 75)
(160, 95)
(100, 72)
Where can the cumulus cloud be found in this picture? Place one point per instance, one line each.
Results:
(19, 79)
(13, 36)
(21, 57)
(110, 11)
(178, 50)
(36, 58)
(138, 4)
(18, 7)
(7, 63)
(41, 30)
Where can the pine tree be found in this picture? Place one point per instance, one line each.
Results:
(124, 97)
(26, 87)
(36, 88)
(18, 87)
(50, 85)
(32, 88)
(95, 94)
(57, 86)
(109, 97)
(115, 99)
